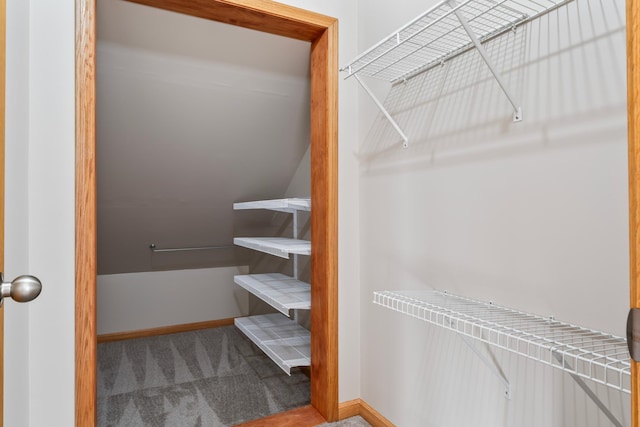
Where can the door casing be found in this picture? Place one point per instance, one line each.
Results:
(261, 15)
(3, 50)
(633, 123)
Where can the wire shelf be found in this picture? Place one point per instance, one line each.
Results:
(282, 205)
(280, 291)
(438, 35)
(285, 342)
(278, 246)
(589, 354)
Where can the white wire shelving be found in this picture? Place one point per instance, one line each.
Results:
(280, 291)
(581, 352)
(278, 246)
(448, 29)
(283, 205)
(437, 35)
(286, 342)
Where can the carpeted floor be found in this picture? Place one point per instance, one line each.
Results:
(213, 378)
(357, 421)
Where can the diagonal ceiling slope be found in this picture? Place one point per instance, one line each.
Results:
(192, 116)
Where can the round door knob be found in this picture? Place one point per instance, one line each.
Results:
(22, 289)
(25, 288)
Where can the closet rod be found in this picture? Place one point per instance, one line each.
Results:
(154, 249)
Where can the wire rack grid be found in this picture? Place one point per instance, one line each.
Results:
(589, 354)
(285, 342)
(438, 35)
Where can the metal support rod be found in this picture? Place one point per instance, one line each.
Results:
(295, 236)
(153, 248)
(492, 367)
(517, 110)
(405, 143)
(295, 257)
(588, 391)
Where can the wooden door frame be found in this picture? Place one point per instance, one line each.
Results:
(262, 15)
(3, 67)
(633, 122)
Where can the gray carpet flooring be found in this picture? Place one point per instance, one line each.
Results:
(357, 421)
(213, 377)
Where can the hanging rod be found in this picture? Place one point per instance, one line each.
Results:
(154, 249)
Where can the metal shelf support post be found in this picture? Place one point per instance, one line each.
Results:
(405, 140)
(517, 110)
(295, 236)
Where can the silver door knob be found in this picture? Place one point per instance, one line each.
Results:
(21, 289)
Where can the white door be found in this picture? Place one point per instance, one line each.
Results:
(25, 288)
(41, 35)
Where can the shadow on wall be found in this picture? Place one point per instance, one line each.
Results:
(456, 112)
(531, 231)
(532, 403)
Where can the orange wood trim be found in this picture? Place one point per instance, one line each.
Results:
(164, 330)
(366, 411)
(349, 409)
(3, 66)
(261, 15)
(324, 223)
(373, 417)
(302, 417)
(633, 105)
(86, 344)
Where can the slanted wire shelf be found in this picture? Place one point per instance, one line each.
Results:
(589, 354)
(438, 35)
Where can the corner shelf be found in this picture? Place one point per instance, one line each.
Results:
(448, 29)
(280, 291)
(581, 352)
(286, 342)
(278, 246)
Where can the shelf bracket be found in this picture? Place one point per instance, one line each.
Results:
(587, 390)
(405, 140)
(517, 109)
(492, 366)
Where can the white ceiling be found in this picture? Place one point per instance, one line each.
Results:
(192, 115)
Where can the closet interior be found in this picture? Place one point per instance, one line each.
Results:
(193, 118)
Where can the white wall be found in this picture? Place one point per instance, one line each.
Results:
(136, 301)
(348, 242)
(39, 340)
(530, 215)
